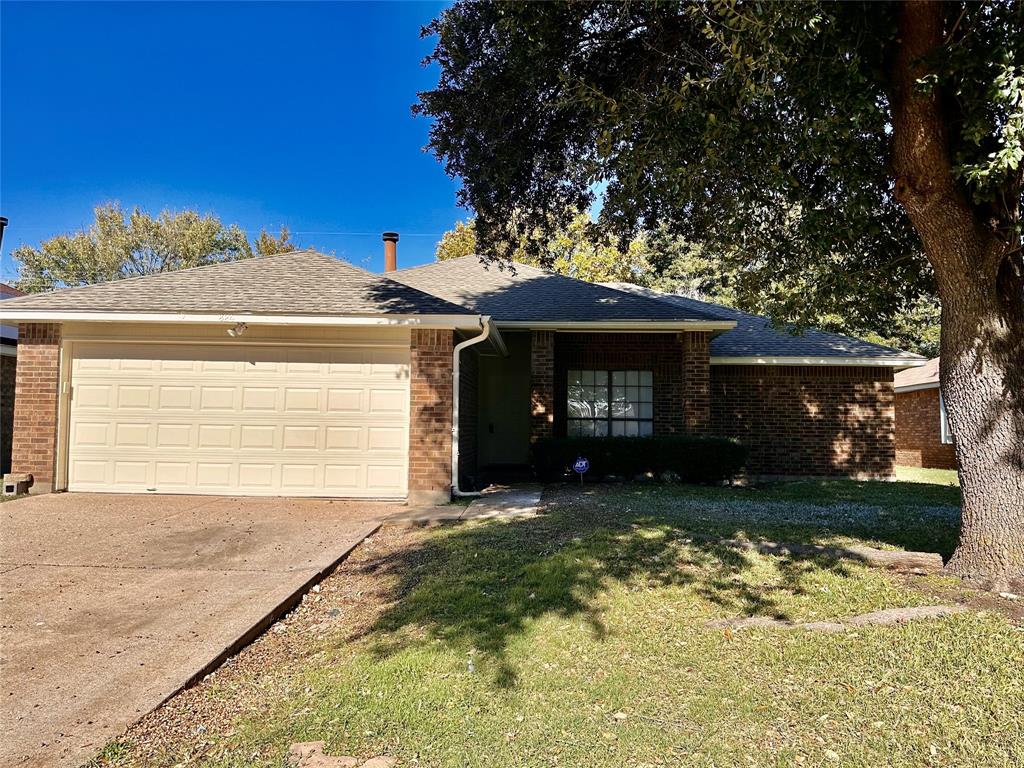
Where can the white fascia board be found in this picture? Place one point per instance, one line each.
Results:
(881, 362)
(419, 321)
(917, 387)
(621, 326)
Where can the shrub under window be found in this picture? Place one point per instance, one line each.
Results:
(692, 459)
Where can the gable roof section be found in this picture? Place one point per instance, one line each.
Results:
(755, 337)
(925, 377)
(296, 283)
(538, 296)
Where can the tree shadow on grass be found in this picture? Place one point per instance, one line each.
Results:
(477, 587)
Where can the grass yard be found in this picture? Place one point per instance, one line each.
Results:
(580, 638)
(922, 475)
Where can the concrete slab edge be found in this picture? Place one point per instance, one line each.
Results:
(261, 626)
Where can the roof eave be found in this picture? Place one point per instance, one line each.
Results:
(891, 361)
(410, 319)
(617, 325)
(916, 387)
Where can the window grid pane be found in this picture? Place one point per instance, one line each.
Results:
(616, 403)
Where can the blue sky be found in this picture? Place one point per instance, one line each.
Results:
(266, 114)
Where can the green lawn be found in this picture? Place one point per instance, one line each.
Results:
(935, 476)
(580, 638)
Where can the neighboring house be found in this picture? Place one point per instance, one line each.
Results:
(923, 437)
(299, 374)
(8, 363)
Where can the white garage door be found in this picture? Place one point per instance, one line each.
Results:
(234, 419)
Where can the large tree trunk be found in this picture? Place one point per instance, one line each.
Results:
(982, 365)
(981, 371)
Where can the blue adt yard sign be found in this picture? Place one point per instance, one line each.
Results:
(580, 466)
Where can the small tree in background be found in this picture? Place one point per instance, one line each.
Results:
(119, 245)
(568, 250)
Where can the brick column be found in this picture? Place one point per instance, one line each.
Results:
(542, 385)
(37, 384)
(696, 382)
(430, 418)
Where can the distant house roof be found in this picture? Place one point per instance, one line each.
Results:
(9, 291)
(755, 337)
(925, 377)
(530, 295)
(295, 283)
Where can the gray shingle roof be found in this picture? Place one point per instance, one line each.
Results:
(537, 295)
(295, 283)
(754, 335)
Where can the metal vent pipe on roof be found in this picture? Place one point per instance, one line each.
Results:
(390, 251)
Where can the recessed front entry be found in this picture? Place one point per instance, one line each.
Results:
(246, 419)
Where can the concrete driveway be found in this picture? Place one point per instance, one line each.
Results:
(109, 604)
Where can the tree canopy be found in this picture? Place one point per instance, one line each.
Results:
(120, 244)
(846, 158)
(759, 130)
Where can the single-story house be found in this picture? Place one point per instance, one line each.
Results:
(300, 374)
(923, 437)
(8, 365)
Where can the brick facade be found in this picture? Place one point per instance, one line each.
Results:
(807, 420)
(34, 447)
(696, 382)
(542, 385)
(430, 417)
(918, 434)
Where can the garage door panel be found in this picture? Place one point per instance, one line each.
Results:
(215, 436)
(260, 399)
(259, 420)
(129, 435)
(176, 398)
(173, 474)
(301, 400)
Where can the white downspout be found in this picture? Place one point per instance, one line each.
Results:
(485, 322)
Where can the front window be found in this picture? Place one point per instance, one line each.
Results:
(611, 403)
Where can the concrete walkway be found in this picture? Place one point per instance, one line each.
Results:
(110, 604)
(496, 501)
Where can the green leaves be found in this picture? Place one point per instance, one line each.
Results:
(760, 131)
(119, 245)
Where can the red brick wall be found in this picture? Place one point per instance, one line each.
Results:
(35, 404)
(696, 382)
(430, 421)
(807, 420)
(918, 434)
(542, 384)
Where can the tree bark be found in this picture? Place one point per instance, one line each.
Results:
(982, 357)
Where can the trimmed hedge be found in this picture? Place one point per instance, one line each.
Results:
(692, 459)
